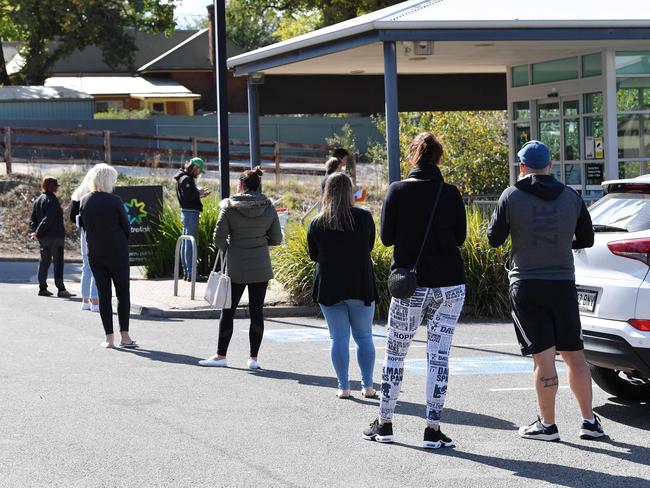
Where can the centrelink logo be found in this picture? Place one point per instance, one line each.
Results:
(135, 211)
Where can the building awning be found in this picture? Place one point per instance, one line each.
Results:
(467, 36)
(131, 86)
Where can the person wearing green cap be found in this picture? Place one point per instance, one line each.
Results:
(189, 198)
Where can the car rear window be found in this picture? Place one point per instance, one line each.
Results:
(629, 211)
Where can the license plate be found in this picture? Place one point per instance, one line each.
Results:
(586, 299)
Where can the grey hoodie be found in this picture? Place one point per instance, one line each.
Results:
(248, 224)
(546, 220)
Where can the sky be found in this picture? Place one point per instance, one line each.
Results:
(187, 10)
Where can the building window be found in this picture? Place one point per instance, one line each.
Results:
(633, 63)
(158, 107)
(106, 105)
(592, 65)
(520, 75)
(556, 70)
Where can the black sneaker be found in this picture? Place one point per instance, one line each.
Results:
(65, 294)
(536, 430)
(379, 433)
(435, 439)
(45, 293)
(591, 431)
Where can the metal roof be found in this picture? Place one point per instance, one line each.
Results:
(36, 93)
(469, 15)
(135, 86)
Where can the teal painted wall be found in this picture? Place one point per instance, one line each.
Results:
(302, 130)
(47, 110)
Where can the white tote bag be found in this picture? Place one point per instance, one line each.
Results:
(218, 293)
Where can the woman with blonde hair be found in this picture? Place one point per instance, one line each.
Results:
(340, 240)
(89, 300)
(107, 228)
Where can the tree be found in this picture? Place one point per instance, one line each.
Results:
(251, 24)
(50, 30)
(475, 145)
(255, 23)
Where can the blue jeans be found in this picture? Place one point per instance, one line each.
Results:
(345, 317)
(190, 220)
(88, 287)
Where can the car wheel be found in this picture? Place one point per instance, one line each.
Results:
(619, 384)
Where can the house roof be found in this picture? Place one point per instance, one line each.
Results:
(192, 53)
(443, 16)
(89, 60)
(36, 93)
(133, 86)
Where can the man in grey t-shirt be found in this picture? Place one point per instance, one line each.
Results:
(546, 220)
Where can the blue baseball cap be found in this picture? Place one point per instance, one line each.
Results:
(535, 154)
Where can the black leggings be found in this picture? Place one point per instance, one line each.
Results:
(256, 294)
(116, 270)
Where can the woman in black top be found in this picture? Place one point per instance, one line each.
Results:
(438, 299)
(47, 227)
(104, 219)
(340, 240)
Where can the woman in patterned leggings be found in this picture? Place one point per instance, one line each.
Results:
(438, 299)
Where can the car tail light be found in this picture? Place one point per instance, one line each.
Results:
(638, 249)
(640, 324)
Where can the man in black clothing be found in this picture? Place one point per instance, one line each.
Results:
(47, 227)
(189, 199)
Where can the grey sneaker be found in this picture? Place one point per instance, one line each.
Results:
(538, 431)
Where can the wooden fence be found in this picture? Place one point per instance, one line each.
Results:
(283, 155)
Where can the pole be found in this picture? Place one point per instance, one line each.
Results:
(107, 147)
(221, 80)
(253, 124)
(392, 111)
(8, 150)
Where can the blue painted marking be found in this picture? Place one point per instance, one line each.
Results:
(467, 365)
(302, 335)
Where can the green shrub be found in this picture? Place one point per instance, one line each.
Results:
(487, 281)
(169, 229)
(292, 266)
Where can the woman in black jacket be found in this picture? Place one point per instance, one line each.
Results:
(47, 227)
(340, 240)
(438, 299)
(104, 219)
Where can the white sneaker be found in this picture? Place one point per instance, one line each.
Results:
(252, 364)
(94, 307)
(85, 305)
(214, 363)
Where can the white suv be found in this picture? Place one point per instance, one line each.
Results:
(613, 284)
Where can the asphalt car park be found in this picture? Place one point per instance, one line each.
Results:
(74, 414)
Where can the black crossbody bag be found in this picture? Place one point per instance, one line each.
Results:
(402, 282)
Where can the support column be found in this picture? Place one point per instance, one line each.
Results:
(610, 116)
(221, 79)
(392, 111)
(253, 124)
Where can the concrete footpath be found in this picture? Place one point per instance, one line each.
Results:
(155, 298)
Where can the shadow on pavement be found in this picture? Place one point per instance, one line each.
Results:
(631, 453)
(451, 416)
(540, 471)
(163, 356)
(632, 413)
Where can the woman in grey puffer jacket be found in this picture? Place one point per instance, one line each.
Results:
(248, 224)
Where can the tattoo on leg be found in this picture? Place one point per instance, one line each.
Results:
(550, 381)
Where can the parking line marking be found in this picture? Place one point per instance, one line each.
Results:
(563, 387)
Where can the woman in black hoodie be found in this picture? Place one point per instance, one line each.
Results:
(438, 299)
(47, 227)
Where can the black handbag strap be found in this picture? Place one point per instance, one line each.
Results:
(426, 232)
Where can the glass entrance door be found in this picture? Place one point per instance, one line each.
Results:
(559, 128)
